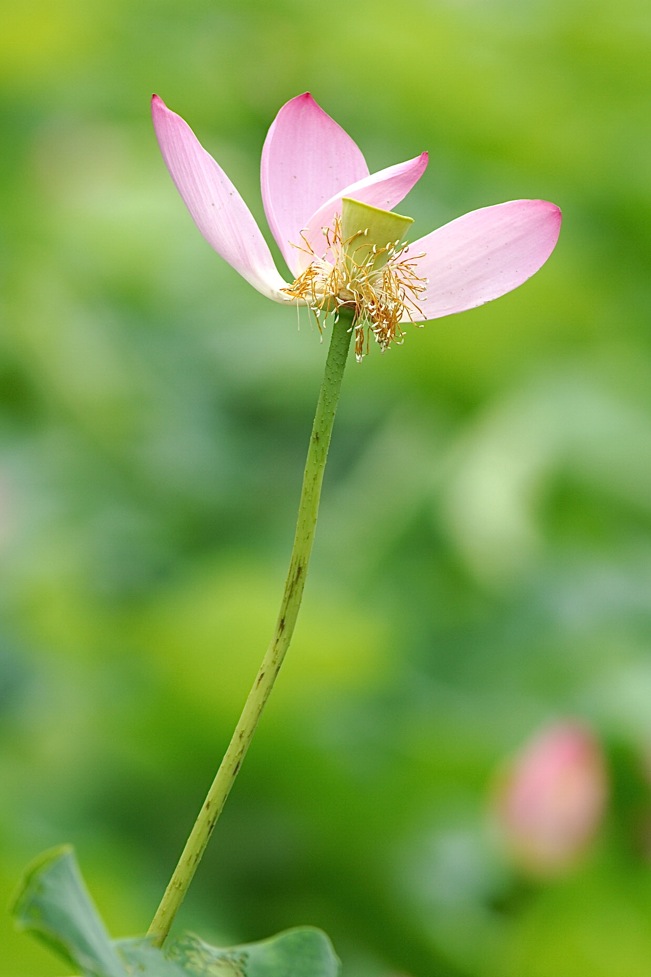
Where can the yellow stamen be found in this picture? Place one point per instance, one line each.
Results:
(380, 285)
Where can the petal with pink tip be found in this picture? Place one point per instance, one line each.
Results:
(483, 255)
(306, 159)
(383, 189)
(214, 204)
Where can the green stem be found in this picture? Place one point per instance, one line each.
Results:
(273, 659)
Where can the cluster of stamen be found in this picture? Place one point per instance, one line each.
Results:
(380, 286)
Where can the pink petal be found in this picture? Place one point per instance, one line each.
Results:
(214, 204)
(383, 189)
(306, 159)
(483, 255)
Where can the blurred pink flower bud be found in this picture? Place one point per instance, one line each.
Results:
(551, 799)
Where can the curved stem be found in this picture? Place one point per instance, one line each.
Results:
(305, 527)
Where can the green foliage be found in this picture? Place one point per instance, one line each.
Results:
(53, 903)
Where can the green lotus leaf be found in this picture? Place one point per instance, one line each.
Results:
(53, 903)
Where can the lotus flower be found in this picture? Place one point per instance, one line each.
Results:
(334, 225)
(551, 801)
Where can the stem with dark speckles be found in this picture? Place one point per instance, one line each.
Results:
(273, 659)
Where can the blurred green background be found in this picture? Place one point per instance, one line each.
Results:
(483, 563)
